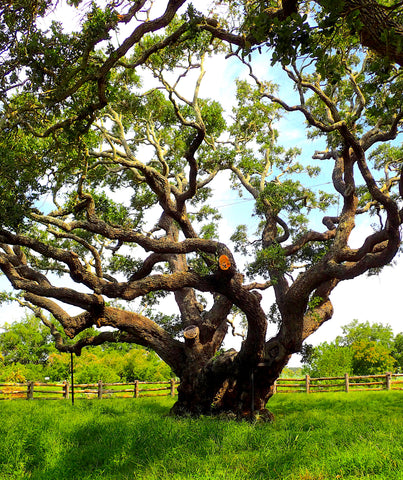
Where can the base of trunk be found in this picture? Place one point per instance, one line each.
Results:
(262, 415)
(230, 402)
(225, 388)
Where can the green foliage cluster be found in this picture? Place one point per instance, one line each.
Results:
(268, 259)
(363, 349)
(23, 161)
(397, 351)
(27, 353)
(291, 372)
(25, 342)
(109, 364)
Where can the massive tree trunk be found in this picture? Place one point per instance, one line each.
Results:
(227, 386)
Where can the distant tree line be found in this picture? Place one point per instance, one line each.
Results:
(27, 353)
(362, 349)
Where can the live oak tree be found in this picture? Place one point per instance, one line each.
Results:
(108, 165)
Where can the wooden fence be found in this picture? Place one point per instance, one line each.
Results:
(346, 383)
(54, 391)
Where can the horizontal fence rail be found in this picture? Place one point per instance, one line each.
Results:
(54, 391)
(388, 381)
(136, 389)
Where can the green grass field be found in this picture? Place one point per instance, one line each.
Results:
(323, 436)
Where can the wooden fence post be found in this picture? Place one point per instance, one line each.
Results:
(30, 390)
(307, 385)
(388, 381)
(99, 389)
(66, 390)
(275, 387)
(136, 389)
(346, 382)
(172, 387)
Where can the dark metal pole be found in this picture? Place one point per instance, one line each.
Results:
(252, 379)
(72, 377)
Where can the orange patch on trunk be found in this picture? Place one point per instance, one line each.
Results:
(224, 262)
